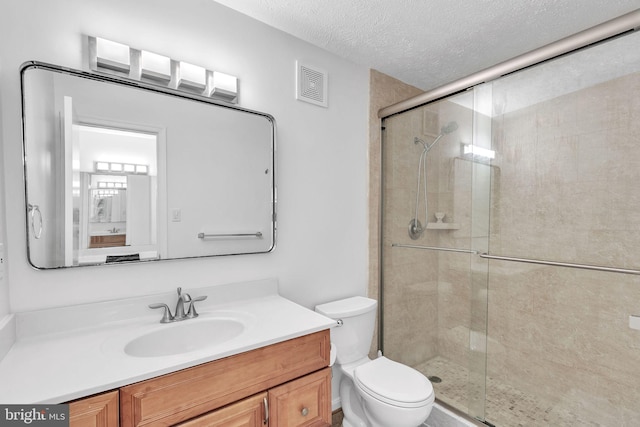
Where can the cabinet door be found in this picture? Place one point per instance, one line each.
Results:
(246, 413)
(100, 410)
(302, 402)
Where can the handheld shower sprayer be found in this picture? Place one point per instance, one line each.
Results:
(415, 227)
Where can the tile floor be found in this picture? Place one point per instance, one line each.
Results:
(506, 406)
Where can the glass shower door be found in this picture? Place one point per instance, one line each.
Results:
(435, 193)
(564, 276)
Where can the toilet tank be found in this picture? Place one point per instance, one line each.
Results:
(352, 340)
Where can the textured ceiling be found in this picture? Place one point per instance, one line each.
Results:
(428, 43)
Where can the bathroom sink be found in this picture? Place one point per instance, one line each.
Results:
(183, 337)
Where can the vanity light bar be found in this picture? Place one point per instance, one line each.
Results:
(105, 193)
(112, 184)
(121, 168)
(120, 59)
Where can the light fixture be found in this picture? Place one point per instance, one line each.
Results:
(152, 68)
(102, 166)
(121, 168)
(112, 184)
(155, 66)
(224, 87)
(192, 76)
(109, 54)
(475, 150)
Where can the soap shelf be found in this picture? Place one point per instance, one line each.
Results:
(443, 226)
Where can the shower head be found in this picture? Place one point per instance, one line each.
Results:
(449, 127)
(444, 130)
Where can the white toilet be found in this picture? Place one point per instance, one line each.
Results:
(379, 392)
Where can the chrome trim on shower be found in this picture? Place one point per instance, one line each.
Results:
(561, 264)
(612, 28)
(524, 260)
(435, 248)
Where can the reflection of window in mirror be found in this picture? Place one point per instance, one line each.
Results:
(117, 170)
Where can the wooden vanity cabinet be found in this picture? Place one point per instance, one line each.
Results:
(304, 402)
(292, 375)
(100, 410)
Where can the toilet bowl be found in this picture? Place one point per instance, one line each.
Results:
(378, 392)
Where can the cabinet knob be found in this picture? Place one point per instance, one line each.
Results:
(305, 412)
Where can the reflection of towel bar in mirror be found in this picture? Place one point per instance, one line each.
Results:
(257, 234)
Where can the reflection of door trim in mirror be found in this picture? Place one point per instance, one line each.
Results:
(230, 151)
(88, 249)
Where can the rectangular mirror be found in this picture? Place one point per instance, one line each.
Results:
(121, 171)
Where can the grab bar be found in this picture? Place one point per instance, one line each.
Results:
(525, 260)
(257, 235)
(561, 264)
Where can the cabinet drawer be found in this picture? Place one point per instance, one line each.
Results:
(246, 413)
(99, 410)
(302, 402)
(182, 395)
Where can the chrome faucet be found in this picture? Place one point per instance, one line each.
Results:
(167, 317)
(182, 298)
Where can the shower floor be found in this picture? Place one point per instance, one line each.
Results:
(506, 406)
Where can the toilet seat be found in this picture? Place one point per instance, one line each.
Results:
(394, 383)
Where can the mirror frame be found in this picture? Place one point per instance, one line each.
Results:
(31, 210)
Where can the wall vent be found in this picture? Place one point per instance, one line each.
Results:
(311, 84)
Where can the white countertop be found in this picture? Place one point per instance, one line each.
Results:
(82, 351)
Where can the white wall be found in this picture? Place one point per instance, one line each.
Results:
(322, 153)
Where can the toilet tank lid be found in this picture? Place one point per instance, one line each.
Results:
(347, 307)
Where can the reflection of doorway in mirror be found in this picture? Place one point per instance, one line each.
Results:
(116, 203)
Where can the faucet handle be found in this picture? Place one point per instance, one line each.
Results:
(192, 306)
(166, 316)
